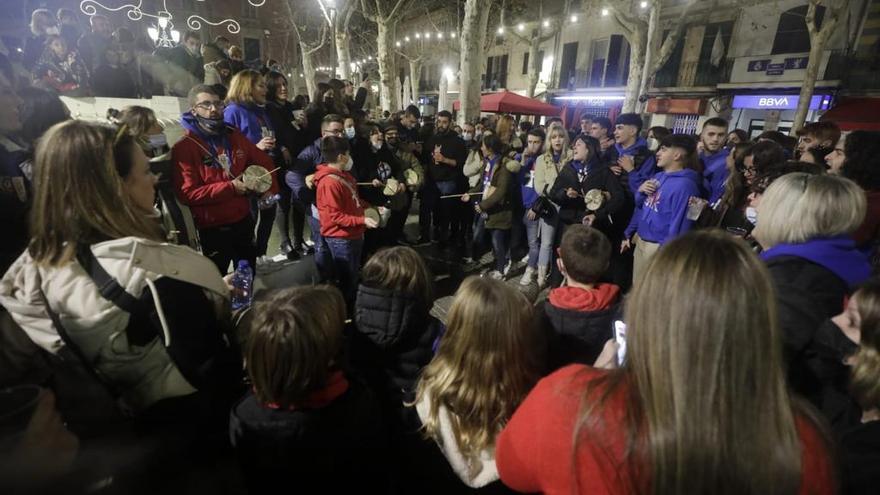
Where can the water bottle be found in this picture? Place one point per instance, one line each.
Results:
(242, 282)
(268, 202)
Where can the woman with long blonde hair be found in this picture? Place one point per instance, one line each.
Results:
(246, 111)
(557, 155)
(700, 404)
(148, 317)
(488, 359)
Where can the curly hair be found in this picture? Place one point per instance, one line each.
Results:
(865, 382)
(862, 163)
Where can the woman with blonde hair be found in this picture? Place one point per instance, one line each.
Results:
(98, 284)
(246, 111)
(699, 404)
(805, 225)
(488, 359)
(557, 155)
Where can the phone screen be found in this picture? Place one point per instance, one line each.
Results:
(620, 338)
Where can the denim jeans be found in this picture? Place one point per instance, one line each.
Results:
(500, 242)
(346, 257)
(533, 231)
(322, 255)
(547, 234)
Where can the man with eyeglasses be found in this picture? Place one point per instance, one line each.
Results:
(298, 178)
(208, 166)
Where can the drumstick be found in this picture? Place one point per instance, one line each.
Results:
(268, 173)
(364, 184)
(460, 195)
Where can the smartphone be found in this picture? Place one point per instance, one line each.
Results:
(620, 338)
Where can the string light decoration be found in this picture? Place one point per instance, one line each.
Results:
(194, 22)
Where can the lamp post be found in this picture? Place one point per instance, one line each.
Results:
(163, 34)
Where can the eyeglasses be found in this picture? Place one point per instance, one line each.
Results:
(208, 105)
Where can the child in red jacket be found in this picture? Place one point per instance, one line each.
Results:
(341, 213)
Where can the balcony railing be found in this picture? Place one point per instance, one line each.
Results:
(693, 74)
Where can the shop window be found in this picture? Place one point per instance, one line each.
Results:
(791, 33)
(685, 124)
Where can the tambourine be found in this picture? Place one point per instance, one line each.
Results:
(392, 187)
(380, 218)
(594, 199)
(411, 177)
(257, 179)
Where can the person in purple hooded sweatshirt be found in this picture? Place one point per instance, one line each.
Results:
(805, 225)
(632, 152)
(663, 201)
(713, 154)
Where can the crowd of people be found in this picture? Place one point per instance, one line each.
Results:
(61, 57)
(708, 320)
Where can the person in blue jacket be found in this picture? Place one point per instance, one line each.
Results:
(246, 111)
(633, 155)
(713, 137)
(664, 201)
(532, 222)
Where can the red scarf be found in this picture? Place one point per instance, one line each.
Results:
(337, 385)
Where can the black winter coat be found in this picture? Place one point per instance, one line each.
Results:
(573, 210)
(281, 116)
(393, 342)
(576, 336)
(826, 356)
(807, 294)
(860, 455)
(340, 448)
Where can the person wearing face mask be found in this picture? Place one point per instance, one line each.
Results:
(246, 111)
(349, 129)
(186, 64)
(407, 161)
(376, 163)
(342, 214)
(655, 135)
(714, 157)
(42, 26)
(207, 173)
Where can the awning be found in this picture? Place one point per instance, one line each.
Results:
(855, 114)
(507, 102)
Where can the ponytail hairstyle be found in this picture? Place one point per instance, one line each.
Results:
(865, 382)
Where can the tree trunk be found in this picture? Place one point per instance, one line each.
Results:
(407, 92)
(343, 53)
(308, 72)
(809, 84)
(473, 36)
(636, 69)
(534, 65)
(387, 72)
(650, 48)
(415, 75)
(443, 95)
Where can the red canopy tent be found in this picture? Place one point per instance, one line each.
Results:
(855, 113)
(507, 102)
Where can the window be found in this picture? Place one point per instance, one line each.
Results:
(496, 72)
(251, 49)
(708, 73)
(609, 64)
(667, 76)
(249, 11)
(599, 55)
(567, 74)
(791, 33)
(525, 66)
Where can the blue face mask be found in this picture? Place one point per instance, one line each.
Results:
(211, 125)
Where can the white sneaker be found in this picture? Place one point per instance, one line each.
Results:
(528, 277)
(542, 276)
(495, 275)
(507, 267)
(525, 259)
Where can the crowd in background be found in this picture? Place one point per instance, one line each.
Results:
(706, 318)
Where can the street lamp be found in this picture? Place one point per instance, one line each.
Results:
(574, 18)
(546, 23)
(604, 12)
(643, 5)
(500, 29)
(163, 34)
(520, 27)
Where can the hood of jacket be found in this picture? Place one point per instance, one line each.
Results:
(325, 170)
(631, 150)
(389, 318)
(838, 254)
(600, 298)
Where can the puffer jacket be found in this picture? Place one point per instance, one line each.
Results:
(393, 341)
(184, 297)
(546, 170)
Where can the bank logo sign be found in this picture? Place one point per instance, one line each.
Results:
(779, 102)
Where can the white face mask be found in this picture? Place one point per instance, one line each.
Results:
(349, 132)
(377, 146)
(50, 31)
(348, 165)
(653, 144)
(752, 215)
(157, 140)
(467, 136)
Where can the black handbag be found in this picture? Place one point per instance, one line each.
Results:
(543, 207)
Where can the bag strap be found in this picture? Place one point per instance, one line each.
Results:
(75, 349)
(348, 186)
(107, 285)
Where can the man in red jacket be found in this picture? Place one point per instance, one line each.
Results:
(341, 213)
(208, 166)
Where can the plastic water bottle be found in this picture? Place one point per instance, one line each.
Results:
(242, 283)
(268, 202)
